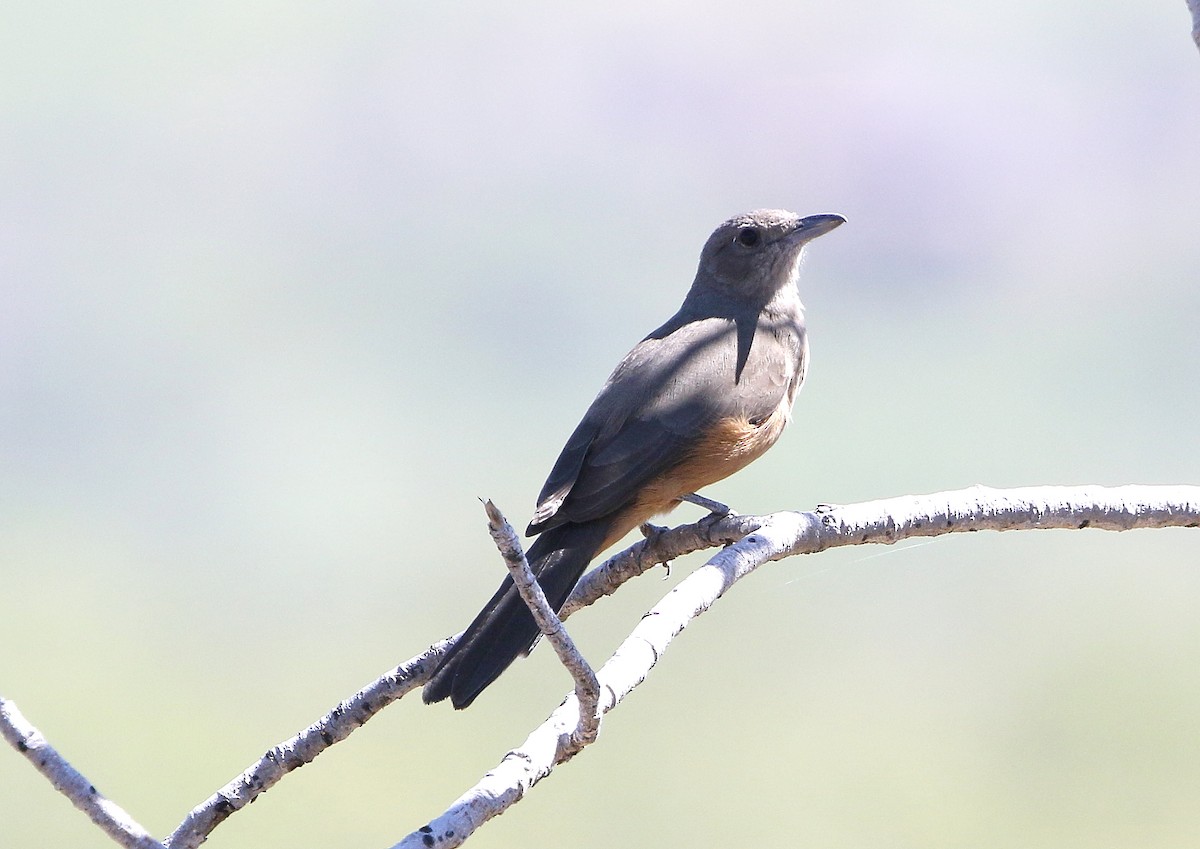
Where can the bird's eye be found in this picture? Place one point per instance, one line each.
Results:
(748, 237)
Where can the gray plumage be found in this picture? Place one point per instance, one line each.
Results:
(694, 401)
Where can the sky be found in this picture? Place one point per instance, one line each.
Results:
(286, 291)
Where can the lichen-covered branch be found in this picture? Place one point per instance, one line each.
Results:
(751, 541)
(587, 689)
(279, 760)
(765, 538)
(111, 818)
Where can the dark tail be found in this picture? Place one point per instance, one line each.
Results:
(505, 628)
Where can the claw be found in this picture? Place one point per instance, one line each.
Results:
(650, 530)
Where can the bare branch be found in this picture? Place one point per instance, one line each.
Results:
(661, 546)
(586, 688)
(278, 761)
(773, 537)
(1194, 5)
(755, 540)
(355, 711)
(111, 818)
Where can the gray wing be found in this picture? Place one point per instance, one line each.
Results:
(661, 399)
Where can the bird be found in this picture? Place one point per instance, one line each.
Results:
(696, 400)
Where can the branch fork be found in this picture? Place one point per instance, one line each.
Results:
(587, 687)
(749, 542)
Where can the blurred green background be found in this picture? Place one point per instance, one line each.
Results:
(286, 288)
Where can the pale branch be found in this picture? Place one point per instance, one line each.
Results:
(586, 688)
(108, 815)
(279, 760)
(773, 537)
(1194, 5)
(758, 539)
(661, 545)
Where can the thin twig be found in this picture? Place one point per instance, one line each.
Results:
(587, 690)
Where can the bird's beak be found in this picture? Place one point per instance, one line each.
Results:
(818, 225)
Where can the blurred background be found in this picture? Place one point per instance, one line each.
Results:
(285, 289)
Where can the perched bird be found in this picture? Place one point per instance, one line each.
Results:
(695, 401)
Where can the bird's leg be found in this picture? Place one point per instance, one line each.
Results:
(714, 507)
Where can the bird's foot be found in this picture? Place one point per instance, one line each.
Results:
(651, 532)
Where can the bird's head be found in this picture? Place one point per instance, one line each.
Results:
(758, 254)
